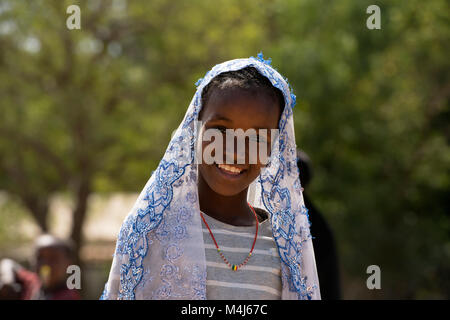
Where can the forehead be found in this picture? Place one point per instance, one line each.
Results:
(50, 251)
(248, 107)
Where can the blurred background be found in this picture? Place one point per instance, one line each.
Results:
(86, 115)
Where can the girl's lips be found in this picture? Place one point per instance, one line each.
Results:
(229, 174)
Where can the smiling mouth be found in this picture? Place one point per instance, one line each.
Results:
(230, 170)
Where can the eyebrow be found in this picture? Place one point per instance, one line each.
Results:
(220, 117)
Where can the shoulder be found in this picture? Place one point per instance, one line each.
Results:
(66, 294)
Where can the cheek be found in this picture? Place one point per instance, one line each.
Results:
(206, 172)
(258, 155)
(255, 171)
(264, 153)
(208, 152)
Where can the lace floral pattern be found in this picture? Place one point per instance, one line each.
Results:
(160, 253)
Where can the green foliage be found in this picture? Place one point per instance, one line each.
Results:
(99, 104)
(373, 116)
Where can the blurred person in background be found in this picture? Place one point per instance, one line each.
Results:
(17, 283)
(323, 240)
(52, 257)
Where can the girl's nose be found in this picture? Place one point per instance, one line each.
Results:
(234, 153)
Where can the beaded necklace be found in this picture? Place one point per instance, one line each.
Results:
(233, 267)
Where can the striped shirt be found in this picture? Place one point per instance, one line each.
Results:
(259, 279)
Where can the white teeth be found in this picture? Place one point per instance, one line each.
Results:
(229, 168)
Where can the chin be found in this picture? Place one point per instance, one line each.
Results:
(226, 191)
(227, 187)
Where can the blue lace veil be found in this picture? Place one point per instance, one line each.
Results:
(160, 252)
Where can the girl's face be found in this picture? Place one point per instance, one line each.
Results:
(236, 108)
(51, 265)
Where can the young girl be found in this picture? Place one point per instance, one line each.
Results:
(203, 230)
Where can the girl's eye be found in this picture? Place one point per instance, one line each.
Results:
(221, 129)
(262, 139)
(258, 138)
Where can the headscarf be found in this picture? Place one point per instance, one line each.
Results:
(160, 251)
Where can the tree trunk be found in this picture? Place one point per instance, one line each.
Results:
(38, 206)
(79, 215)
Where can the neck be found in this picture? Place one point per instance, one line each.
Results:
(232, 210)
